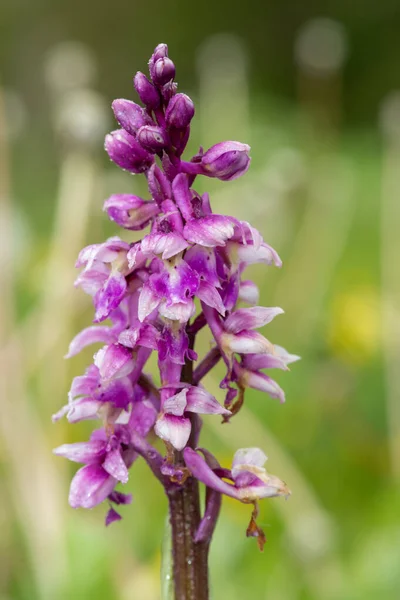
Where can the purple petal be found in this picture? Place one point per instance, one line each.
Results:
(247, 234)
(119, 392)
(180, 282)
(83, 409)
(148, 301)
(114, 361)
(91, 280)
(205, 204)
(200, 401)
(109, 296)
(115, 466)
(231, 291)
(60, 414)
(90, 486)
(176, 405)
(129, 211)
(119, 316)
(145, 335)
(91, 335)
(263, 383)
(250, 254)
(176, 284)
(175, 430)
(129, 337)
(84, 385)
(170, 371)
(255, 362)
(143, 417)
(285, 356)
(105, 252)
(166, 244)
(247, 342)
(203, 261)
(149, 336)
(249, 292)
(83, 452)
(173, 343)
(180, 311)
(87, 254)
(159, 184)
(247, 457)
(120, 498)
(112, 516)
(211, 231)
(210, 296)
(269, 487)
(250, 318)
(172, 219)
(245, 479)
(135, 257)
(201, 471)
(182, 195)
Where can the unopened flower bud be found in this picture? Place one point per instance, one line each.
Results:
(163, 71)
(180, 111)
(130, 212)
(130, 116)
(168, 91)
(226, 160)
(126, 152)
(147, 92)
(160, 51)
(152, 138)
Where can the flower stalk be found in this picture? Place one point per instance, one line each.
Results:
(189, 557)
(144, 302)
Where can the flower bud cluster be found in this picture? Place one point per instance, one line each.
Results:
(144, 296)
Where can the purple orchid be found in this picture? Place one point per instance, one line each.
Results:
(173, 425)
(185, 273)
(249, 482)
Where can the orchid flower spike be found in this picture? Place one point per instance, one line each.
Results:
(151, 297)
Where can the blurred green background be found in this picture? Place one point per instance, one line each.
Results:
(312, 87)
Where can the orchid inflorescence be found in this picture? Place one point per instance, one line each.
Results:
(147, 290)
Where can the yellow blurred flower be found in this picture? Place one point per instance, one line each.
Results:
(354, 327)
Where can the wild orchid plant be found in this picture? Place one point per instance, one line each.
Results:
(147, 289)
